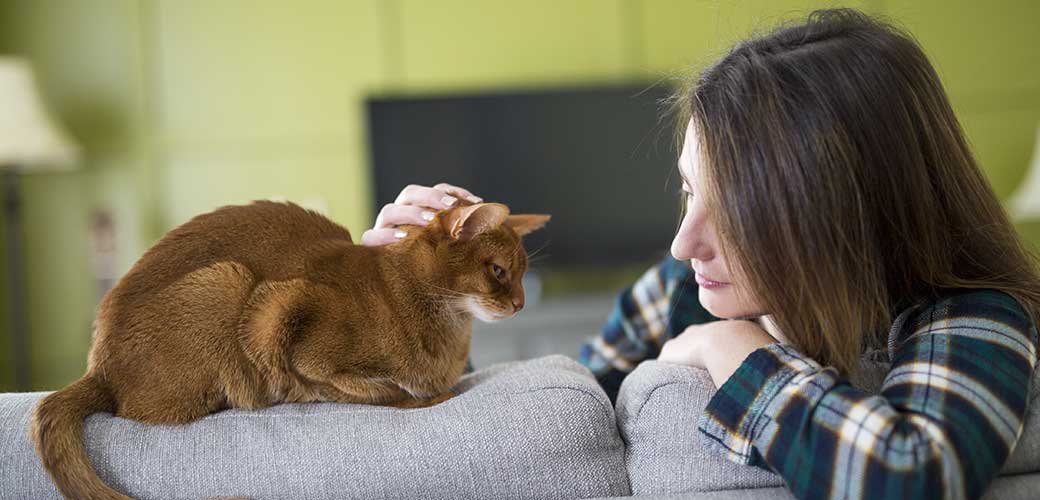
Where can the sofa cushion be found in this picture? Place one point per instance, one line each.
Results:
(659, 407)
(538, 428)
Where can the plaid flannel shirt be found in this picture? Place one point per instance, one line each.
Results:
(950, 410)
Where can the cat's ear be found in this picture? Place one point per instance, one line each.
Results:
(466, 222)
(525, 223)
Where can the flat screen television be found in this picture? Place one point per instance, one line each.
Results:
(600, 160)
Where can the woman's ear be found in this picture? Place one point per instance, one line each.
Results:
(464, 223)
(523, 224)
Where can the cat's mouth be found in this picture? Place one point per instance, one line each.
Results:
(487, 314)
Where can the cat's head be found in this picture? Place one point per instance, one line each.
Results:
(480, 246)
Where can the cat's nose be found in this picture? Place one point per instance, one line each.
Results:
(518, 303)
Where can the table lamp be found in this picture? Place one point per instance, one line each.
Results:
(29, 142)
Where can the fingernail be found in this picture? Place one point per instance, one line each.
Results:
(448, 200)
(427, 216)
(475, 199)
(400, 234)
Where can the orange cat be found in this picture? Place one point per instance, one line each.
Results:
(250, 306)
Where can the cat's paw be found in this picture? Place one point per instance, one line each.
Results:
(423, 403)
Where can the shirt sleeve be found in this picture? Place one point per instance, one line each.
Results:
(949, 413)
(657, 307)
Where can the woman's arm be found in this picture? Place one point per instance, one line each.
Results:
(657, 307)
(949, 413)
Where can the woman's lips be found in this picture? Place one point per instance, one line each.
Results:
(709, 284)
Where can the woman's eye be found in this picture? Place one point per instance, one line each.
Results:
(498, 271)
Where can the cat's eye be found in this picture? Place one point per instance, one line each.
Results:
(498, 271)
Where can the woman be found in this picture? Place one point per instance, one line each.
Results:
(833, 210)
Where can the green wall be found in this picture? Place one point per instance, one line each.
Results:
(89, 67)
(185, 105)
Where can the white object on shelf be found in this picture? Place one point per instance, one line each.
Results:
(1024, 204)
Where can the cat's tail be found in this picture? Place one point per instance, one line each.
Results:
(57, 429)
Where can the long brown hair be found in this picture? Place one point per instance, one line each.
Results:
(841, 183)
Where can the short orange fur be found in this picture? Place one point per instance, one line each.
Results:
(250, 306)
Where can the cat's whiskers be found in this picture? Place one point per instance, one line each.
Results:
(444, 297)
(455, 308)
(444, 291)
(450, 304)
(539, 258)
(535, 253)
(456, 302)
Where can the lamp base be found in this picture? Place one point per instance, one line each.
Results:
(15, 279)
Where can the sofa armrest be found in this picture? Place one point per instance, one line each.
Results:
(658, 408)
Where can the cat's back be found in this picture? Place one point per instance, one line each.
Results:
(251, 233)
(273, 240)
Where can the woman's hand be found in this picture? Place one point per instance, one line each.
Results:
(719, 347)
(416, 206)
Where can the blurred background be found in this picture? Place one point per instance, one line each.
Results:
(176, 107)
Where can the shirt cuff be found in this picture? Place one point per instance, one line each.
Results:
(748, 401)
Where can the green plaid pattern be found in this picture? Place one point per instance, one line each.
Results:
(949, 412)
(654, 309)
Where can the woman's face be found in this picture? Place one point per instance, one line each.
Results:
(698, 243)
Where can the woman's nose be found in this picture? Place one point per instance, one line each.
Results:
(693, 241)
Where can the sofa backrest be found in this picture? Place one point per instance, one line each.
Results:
(534, 429)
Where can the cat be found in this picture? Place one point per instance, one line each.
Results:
(253, 305)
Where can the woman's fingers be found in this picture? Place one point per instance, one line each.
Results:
(378, 237)
(458, 191)
(416, 205)
(395, 215)
(435, 198)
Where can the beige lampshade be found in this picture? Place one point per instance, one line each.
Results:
(1024, 204)
(29, 139)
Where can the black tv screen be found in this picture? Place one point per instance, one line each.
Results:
(601, 161)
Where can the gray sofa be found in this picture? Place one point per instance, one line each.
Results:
(533, 429)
